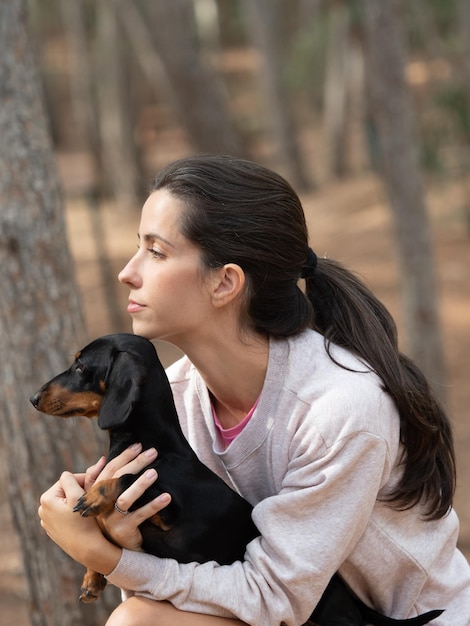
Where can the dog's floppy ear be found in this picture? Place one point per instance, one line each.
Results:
(123, 382)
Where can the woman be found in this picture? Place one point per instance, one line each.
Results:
(300, 401)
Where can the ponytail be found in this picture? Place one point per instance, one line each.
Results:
(347, 314)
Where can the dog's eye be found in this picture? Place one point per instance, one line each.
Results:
(79, 367)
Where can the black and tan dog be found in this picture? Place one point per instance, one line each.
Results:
(119, 379)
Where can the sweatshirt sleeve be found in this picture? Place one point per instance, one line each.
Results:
(307, 531)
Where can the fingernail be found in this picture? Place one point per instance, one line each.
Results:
(164, 498)
(150, 452)
(151, 473)
(135, 447)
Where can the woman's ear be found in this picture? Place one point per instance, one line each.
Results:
(227, 283)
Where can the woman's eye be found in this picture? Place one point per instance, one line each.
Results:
(156, 253)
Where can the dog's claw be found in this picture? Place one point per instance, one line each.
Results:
(84, 509)
(86, 597)
(79, 505)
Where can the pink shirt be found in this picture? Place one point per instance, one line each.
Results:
(227, 435)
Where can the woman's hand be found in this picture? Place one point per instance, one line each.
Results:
(123, 528)
(81, 537)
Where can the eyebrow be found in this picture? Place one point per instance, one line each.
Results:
(151, 236)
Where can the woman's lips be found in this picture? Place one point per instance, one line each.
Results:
(134, 307)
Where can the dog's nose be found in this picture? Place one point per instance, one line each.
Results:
(35, 399)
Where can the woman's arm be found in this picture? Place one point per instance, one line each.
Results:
(82, 537)
(307, 531)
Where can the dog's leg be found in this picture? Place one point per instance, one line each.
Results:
(92, 586)
(100, 498)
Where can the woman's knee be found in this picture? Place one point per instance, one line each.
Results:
(134, 611)
(138, 611)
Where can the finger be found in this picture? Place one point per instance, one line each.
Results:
(148, 510)
(123, 459)
(137, 464)
(125, 529)
(54, 491)
(80, 478)
(133, 493)
(93, 472)
(71, 488)
(66, 491)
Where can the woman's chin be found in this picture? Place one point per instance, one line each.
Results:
(142, 330)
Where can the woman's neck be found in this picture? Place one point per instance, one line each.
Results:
(233, 371)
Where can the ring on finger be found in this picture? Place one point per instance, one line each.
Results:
(120, 510)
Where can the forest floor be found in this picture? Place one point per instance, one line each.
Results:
(349, 221)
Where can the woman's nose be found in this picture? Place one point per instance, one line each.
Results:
(129, 275)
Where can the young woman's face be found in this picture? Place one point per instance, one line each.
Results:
(169, 297)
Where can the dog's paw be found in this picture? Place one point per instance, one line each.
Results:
(98, 499)
(92, 587)
(86, 507)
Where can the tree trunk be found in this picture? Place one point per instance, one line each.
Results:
(119, 156)
(41, 325)
(336, 87)
(392, 112)
(140, 41)
(265, 26)
(88, 139)
(81, 91)
(464, 14)
(200, 98)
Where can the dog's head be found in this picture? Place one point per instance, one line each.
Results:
(104, 381)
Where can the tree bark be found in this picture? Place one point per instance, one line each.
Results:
(41, 325)
(264, 23)
(336, 87)
(81, 90)
(119, 155)
(392, 111)
(464, 14)
(200, 98)
(88, 139)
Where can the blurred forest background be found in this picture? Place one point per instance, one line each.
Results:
(363, 105)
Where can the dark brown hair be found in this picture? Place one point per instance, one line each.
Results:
(240, 212)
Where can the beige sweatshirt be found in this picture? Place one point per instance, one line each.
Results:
(319, 453)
